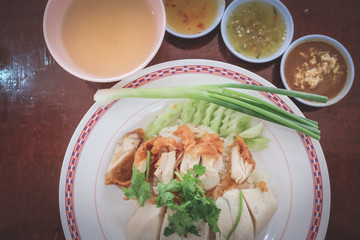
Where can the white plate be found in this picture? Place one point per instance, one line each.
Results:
(293, 164)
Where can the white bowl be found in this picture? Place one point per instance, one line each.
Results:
(336, 45)
(52, 25)
(206, 31)
(289, 27)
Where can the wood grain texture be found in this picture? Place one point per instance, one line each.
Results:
(41, 106)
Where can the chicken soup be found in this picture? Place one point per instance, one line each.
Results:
(110, 37)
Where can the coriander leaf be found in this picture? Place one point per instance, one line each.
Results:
(194, 205)
(212, 217)
(168, 231)
(199, 169)
(166, 196)
(205, 208)
(183, 207)
(188, 190)
(164, 199)
(143, 193)
(138, 189)
(180, 223)
(201, 209)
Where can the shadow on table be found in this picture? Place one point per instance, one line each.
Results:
(4, 58)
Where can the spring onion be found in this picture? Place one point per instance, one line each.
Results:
(238, 216)
(148, 156)
(220, 94)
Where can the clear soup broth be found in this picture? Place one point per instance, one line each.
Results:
(108, 38)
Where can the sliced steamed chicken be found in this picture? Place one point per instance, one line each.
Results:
(262, 205)
(148, 220)
(229, 204)
(119, 171)
(211, 177)
(146, 223)
(158, 146)
(237, 170)
(165, 167)
(225, 221)
(188, 141)
(164, 149)
(202, 228)
(242, 163)
(188, 161)
(210, 150)
(181, 151)
(203, 148)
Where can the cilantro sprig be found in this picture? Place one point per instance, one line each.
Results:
(184, 197)
(194, 206)
(140, 186)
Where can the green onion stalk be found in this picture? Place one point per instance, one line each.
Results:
(223, 95)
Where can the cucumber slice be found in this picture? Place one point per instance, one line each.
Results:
(165, 119)
(217, 120)
(253, 131)
(209, 114)
(225, 122)
(255, 144)
(238, 123)
(199, 114)
(188, 111)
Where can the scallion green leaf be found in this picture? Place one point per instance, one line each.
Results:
(238, 216)
(220, 94)
(148, 165)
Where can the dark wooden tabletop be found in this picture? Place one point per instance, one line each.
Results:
(41, 105)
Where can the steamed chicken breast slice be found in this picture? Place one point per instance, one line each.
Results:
(156, 146)
(146, 223)
(245, 228)
(165, 167)
(262, 206)
(210, 150)
(211, 177)
(119, 169)
(225, 222)
(187, 163)
(188, 141)
(242, 163)
(205, 149)
(187, 137)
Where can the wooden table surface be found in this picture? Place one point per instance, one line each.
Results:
(41, 105)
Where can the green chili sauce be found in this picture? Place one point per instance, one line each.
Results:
(256, 29)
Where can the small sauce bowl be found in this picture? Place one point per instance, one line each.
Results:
(278, 8)
(318, 64)
(215, 23)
